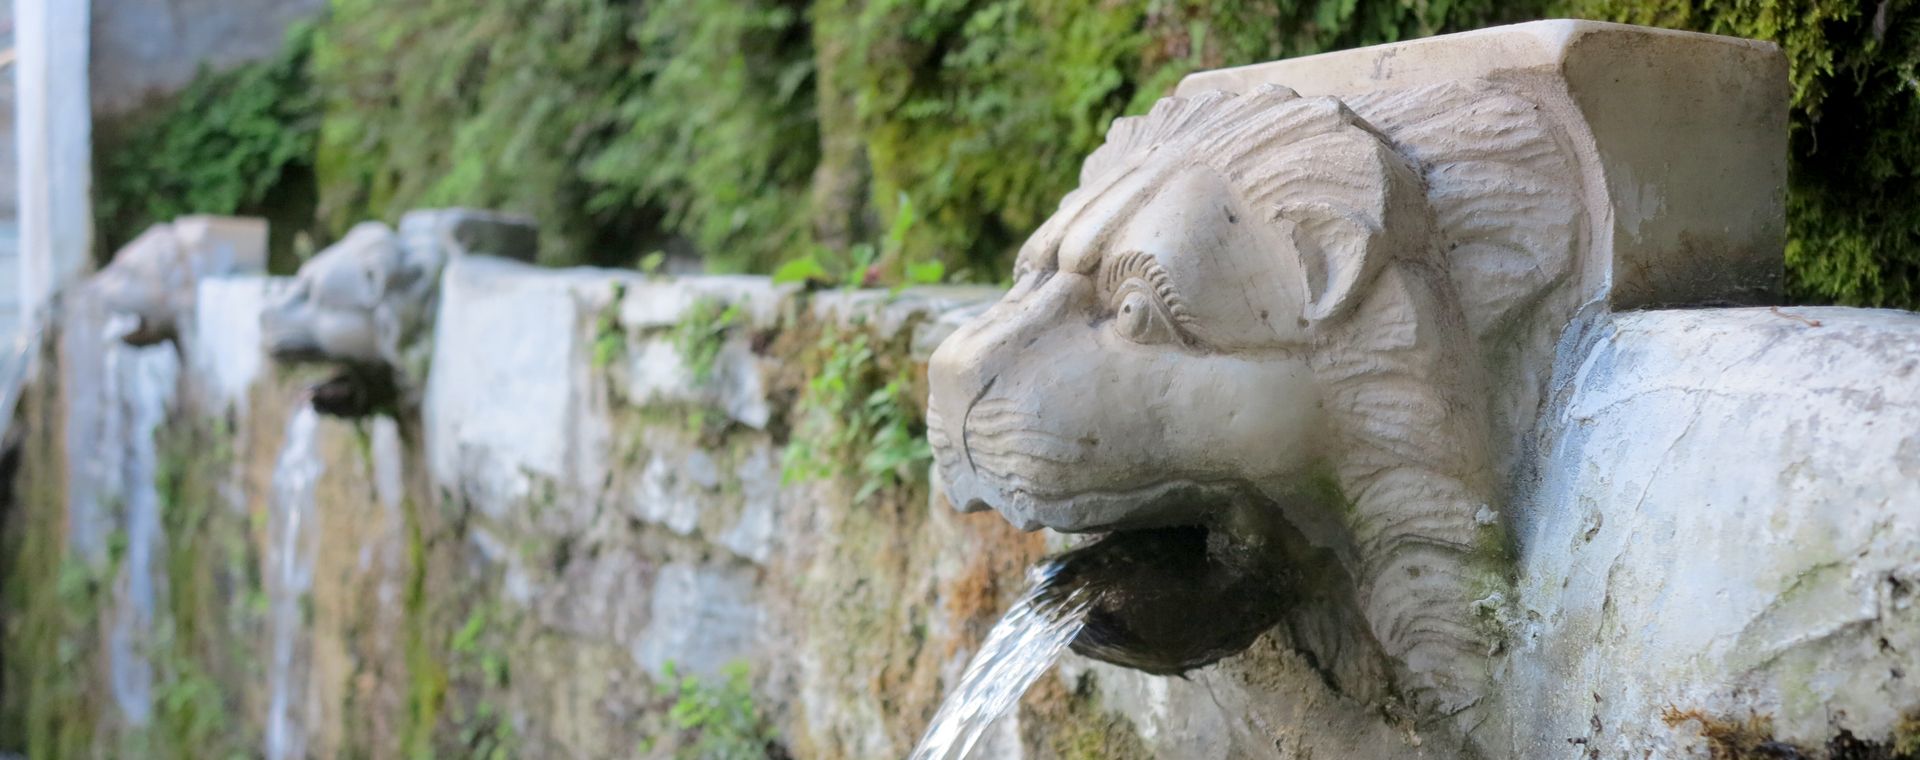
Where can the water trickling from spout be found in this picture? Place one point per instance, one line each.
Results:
(290, 576)
(1019, 649)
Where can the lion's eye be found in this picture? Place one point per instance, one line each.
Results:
(1137, 318)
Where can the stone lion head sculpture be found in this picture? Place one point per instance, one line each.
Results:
(1263, 305)
(367, 302)
(152, 280)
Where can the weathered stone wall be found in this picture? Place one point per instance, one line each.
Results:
(614, 482)
(596, 499)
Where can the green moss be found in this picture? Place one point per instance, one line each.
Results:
(1063, 725)
(202, 649)
(455, 645)
(609, 338)
(1906, 733)
(426, 667)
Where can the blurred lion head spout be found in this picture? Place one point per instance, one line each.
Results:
(1265, 305)
(366, 303)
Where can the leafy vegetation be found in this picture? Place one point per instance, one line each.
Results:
(609, 338)
(983, 111)
(857, 418)
(717, 721)
(702, 332)
(233, 142)
(770, 131)
(864, 264)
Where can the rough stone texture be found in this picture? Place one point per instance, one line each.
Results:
(495, 431)
(1724, 521)
(116, 398)
(596, 538)
(225, 345)
(1275, 338)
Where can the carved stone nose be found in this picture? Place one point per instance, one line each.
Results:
(961, 369)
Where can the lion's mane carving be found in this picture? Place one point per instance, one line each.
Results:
(1269, 303)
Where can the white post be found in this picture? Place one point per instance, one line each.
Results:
(54, 134)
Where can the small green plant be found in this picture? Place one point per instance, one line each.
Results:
(717, 721)
(650, 264)
(609, 340)
(478, 662)
(854, 419)
(864, 264)
(701, 333)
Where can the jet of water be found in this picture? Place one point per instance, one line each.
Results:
(294, 475)
(1019, 649)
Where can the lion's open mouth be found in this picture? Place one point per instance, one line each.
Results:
(1171, 600)
(356, 391)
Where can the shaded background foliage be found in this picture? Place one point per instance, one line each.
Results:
(748, 132)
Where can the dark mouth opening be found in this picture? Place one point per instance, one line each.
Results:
(357, 390)
(145, 333)
(1169, 600)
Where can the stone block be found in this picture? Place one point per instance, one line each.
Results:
(1681, 139)
(702, 618)
(657, 304)
(735, 384)
(472, 232)
(223, 245)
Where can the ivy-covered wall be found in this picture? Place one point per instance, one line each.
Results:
(757, 131)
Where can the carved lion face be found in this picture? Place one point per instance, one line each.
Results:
(1154, 356)
(151, 280)
(351, 302)
(1148, 356)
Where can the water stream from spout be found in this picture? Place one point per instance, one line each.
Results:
(290, 576)
(1019, 649)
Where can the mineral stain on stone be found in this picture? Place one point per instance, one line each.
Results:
(1752, 738)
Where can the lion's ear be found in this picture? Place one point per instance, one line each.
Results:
(1336, 257)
